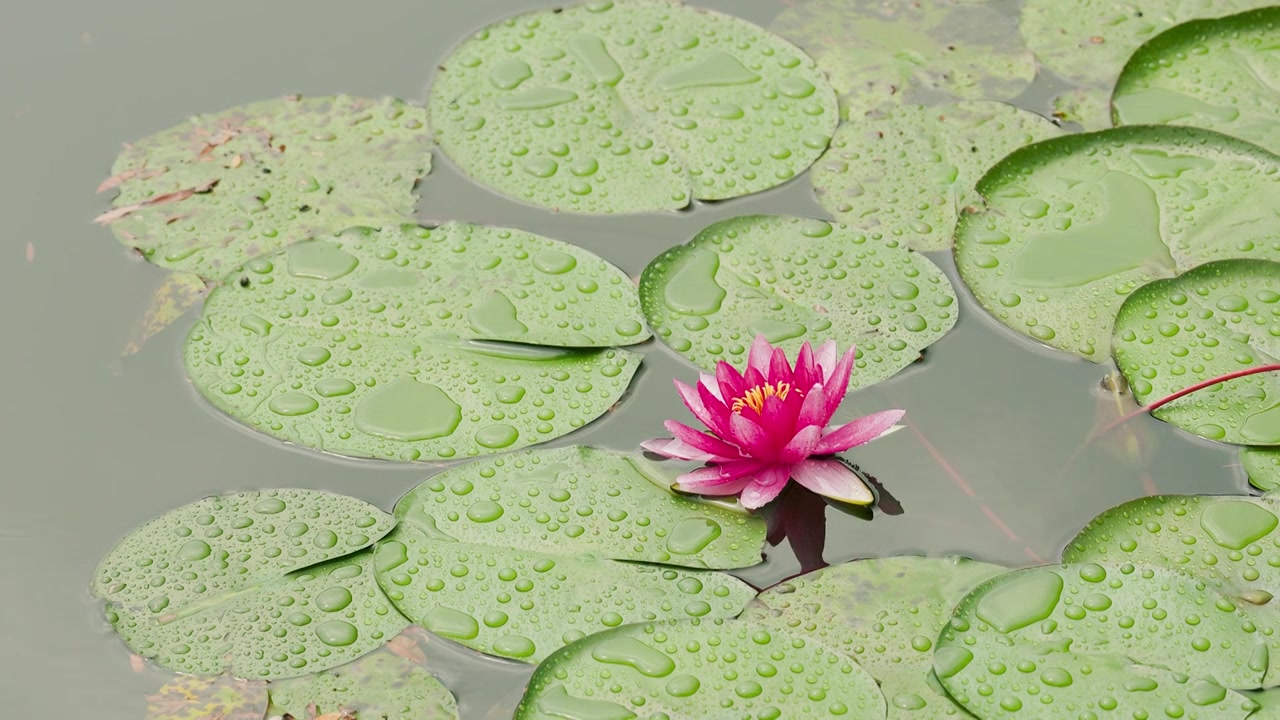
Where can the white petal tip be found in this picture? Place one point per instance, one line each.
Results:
(891, 430)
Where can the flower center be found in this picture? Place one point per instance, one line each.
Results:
(755, 397)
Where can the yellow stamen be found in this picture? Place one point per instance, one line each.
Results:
(755, 397)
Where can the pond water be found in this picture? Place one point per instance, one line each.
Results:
(96, 445)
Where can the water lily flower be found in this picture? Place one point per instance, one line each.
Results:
(769, 425)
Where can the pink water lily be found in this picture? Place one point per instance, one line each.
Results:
(769, 425)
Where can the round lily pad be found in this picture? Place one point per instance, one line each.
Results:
(1134, 641)
(1263, 466)
(1270, 702)
(524, 604)
(1071, 226)
(630, 106)
(380, 386)
(915, 52)
(1218, 74)
(1088, 41)
(1213, 320)
(189, 697)
(907, 172)
(582, 501)
(476, 282)
(886, 613)
(700, 668)
(217, 190)
(794, 280)
(1225, 538)
(381, 686)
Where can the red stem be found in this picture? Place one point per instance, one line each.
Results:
(1152, 407)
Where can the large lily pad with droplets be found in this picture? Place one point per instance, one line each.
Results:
(1088, 41)
(1070, 226)
(1225, 538)
(209, 194)
(1133, 640)
(907, 173)
(700, 668)
(1262, 464)
(467, 280)
(524, 604)
(1222, 74)
(382, 685)
(374, 376)
(886, 613)
(582, 501)
(630, 106)
(794, 280)
(1215, 319)
(877, 52)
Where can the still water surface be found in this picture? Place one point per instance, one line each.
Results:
(94, 446)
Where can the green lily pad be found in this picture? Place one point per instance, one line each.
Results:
(1071, 226)
(1270, 702)
(1263, 466)
(385, 388)
(379, 686)
(475, 282)
(795, 280)
(1221, 74)
(1213, 320)
(188, 697)
(523, 604)
(700, 668)
(308, 621)
(582, 501)
(217, 190)
(907, 172)
(886, 613)
(1088, 41)
(1069, 636)
(1090, 108)
(630, 106)
(1225, 538)
(916, 52)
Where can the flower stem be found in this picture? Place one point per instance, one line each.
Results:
(1152, 407)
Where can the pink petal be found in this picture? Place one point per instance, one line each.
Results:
(759, 357)
(806, 374)
(768, 484)
(694, 402)
(732, 487)
(679, 450)
(802, 445)
(779, 368)
(730, 381)
(832, 479)
(718, 410)
(702, 441)
(750, 437)
(814, 409)
(708, 381)
(778, 418)
(701, 479)
(826, 359)
(858, 432)
(837, 383)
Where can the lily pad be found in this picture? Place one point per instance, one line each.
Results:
(1262, 466)
(188, 697)
(476, 282)
(907, 172)
(886, 613)
(217, 190)
(1068, 637)
(378, 686)
(630, 106)
(794, 280)
(700, 668)
(876, 52)
(1225, 538)
(524, 604)
(1213, 320)
(383, 387)
(254, 583)
(1221, 74)
(1071, 226)
(1088, 107)
(176, 294)
(1088, 41)
(1270, 702)
(582, 501)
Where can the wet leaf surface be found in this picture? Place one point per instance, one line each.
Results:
(795, 280)
(1263, 467)
(630, 106)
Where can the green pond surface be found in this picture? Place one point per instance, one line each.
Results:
(95, 445)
